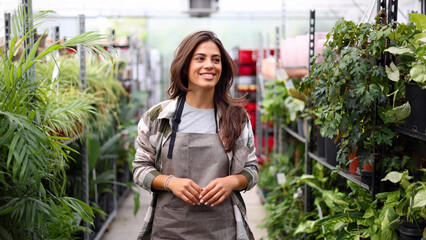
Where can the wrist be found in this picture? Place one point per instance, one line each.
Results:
(167, 181)
(233, 180)
(238, 182)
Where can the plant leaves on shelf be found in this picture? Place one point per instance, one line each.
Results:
(392, 72)
(418, 73)
(420, 199)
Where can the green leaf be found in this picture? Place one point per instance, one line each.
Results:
(305, 227)
(12, 150)
(369, 213)
(394, 177)
(5, 234)
(420, 199)
(387, 215)
(93, 149)
(397, 114)
(110, 143)
(392, 72)
(418, 73)
(419, 20)
(400, 50)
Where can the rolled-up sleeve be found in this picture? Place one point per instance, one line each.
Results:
(250, 170)
(144, 170)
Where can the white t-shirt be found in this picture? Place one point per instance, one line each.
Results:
(195, 120)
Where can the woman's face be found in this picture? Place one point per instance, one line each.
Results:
(205, 67)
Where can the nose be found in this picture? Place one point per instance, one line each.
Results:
(208, 64)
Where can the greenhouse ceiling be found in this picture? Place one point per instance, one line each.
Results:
(353, 9)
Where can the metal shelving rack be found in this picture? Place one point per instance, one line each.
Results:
(84, 154)
(309, 155)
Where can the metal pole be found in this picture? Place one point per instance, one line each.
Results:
(277, 126)
(381, 6)
(28, 42)
(308, 161)
(57, 35)
(84, 153)
(311, 39)
(7, 30)
(82, 53)
(259, 97)
(283, 19)
(392, 11)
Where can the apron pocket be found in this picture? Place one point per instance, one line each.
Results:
(210, 225)
(168, 224)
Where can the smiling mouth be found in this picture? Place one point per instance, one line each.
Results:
(207, 74)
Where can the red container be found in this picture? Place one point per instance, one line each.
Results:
(271, 53)
(245, 56)
(251, 107)
(246, 70)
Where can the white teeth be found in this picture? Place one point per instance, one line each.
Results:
(207, 75)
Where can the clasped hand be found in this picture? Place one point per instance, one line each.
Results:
(213, 194)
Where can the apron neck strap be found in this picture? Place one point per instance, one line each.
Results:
(175, 124)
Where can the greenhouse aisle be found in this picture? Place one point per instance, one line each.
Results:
(127, 226)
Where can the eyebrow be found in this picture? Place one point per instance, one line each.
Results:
(204, 55)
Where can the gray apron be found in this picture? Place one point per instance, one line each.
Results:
(202, 158)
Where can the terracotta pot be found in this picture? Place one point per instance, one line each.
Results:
(354, 165)
(368, 167)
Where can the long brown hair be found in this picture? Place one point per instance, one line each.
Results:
(233, 116)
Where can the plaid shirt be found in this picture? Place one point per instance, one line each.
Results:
(154, 129)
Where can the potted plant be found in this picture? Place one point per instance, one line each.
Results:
(348, 86)
(409, 48)
(409, 202)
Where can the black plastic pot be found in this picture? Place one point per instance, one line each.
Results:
(320, 143)
(367, 177)
(410, 231)
(330, 151)
(293, 126)
(417, 99)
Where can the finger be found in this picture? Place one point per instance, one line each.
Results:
(215, 197)
(194, 193)
(197, 188)
(192, 198)
(186, 199)
(219, 201)
(207, 189)
(207, 198)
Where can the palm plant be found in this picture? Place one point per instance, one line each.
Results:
(33, 204)
(101, 83)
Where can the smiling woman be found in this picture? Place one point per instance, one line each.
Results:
(196, 151)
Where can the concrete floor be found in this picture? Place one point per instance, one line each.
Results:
(127, 226)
